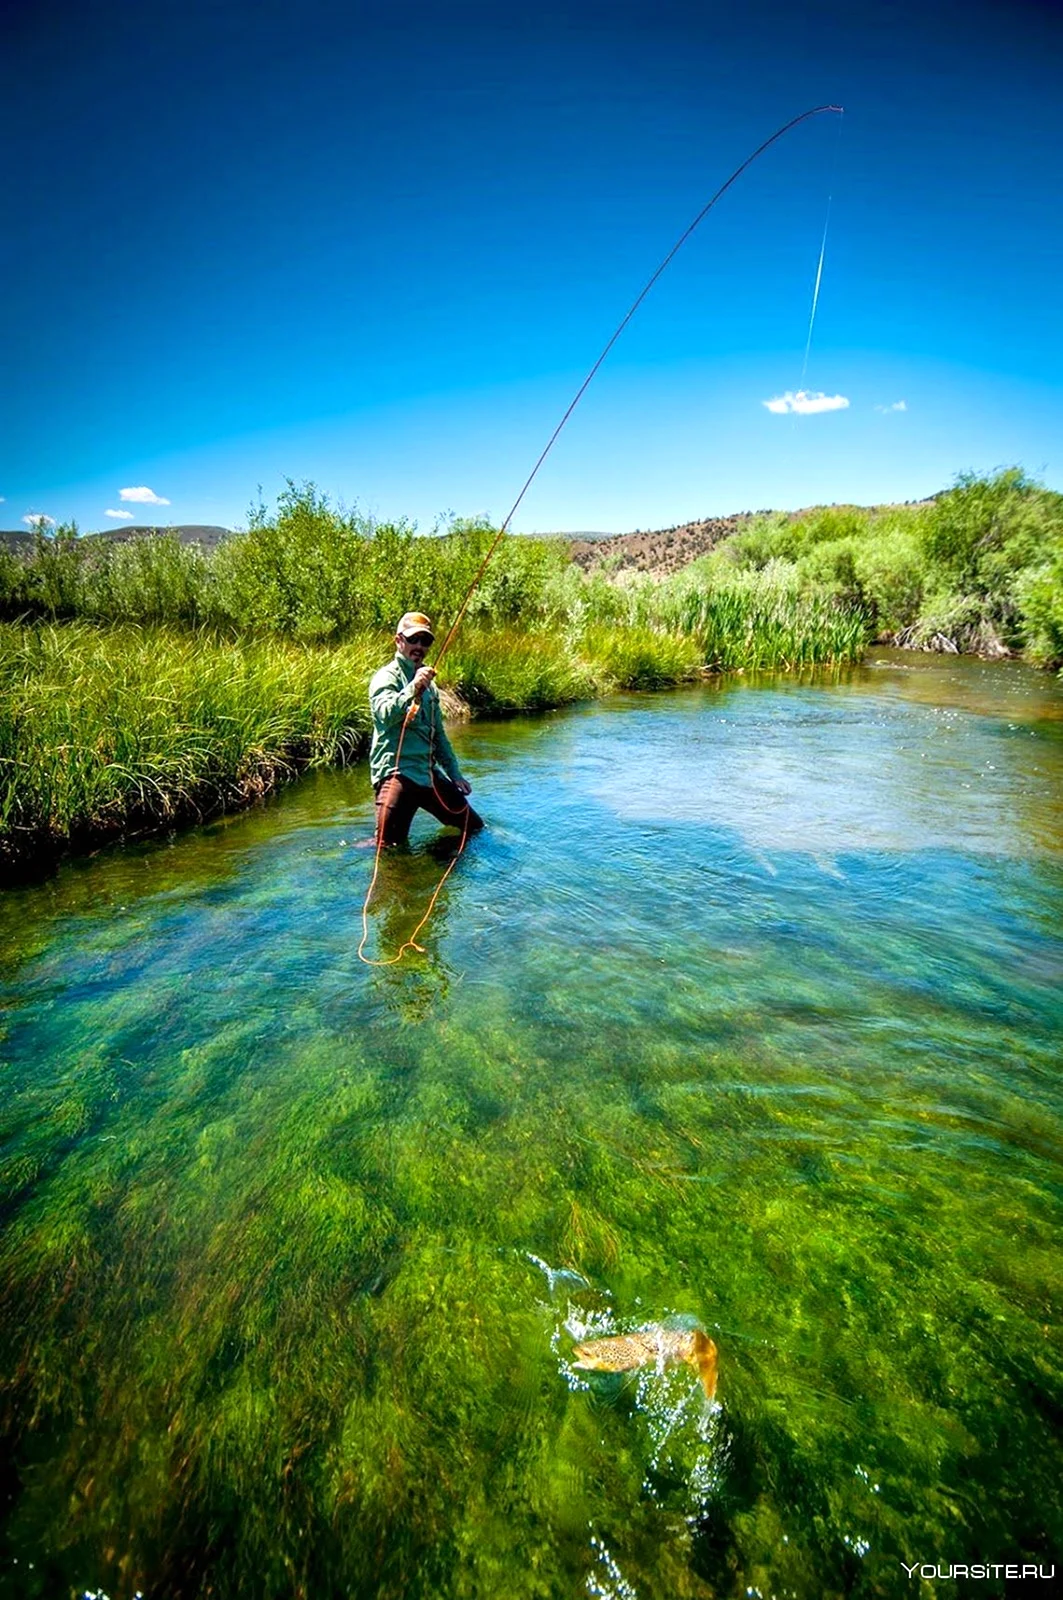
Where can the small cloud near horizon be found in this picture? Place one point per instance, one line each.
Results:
(143, 496)
(805, 404)
(124, 516)
(898, 405)
(34, 519)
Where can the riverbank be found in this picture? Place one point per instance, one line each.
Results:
(152, 683)
(111, 733)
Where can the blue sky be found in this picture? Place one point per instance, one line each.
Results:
(379, 246)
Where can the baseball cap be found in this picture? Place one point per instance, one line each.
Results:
(414, 622)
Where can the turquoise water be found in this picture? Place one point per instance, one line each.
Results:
(745, 1013)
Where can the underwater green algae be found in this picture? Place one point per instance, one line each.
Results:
(296, 1252)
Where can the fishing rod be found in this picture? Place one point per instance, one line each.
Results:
(680, 242)
(415, 706)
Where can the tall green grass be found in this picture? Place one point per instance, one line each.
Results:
(639, 656)
(516, 671)
(762, 621)
(981, 565)
(109, 731)
(147, 682)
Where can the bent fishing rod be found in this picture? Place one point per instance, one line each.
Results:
(415, 705)
(578, 396)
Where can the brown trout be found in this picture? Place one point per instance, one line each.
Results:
(648, 1347)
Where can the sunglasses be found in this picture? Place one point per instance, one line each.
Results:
(419, 638)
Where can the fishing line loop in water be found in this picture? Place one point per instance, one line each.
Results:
(414, 710)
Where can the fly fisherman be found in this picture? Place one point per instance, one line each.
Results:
(425, 772)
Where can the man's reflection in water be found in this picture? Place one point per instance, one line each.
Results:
(407, 880)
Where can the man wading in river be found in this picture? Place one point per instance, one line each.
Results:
(426, 773)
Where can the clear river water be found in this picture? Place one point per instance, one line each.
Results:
(745, 1013)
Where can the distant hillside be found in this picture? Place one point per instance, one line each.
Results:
(668, 549)
(16, 540)
(207, 534)
(659, 552)
(581, 534)
(204, 533)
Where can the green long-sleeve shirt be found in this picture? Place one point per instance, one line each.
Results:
(425, 743)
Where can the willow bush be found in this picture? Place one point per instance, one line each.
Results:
(307, 571)
(984, 559)
(978, 567)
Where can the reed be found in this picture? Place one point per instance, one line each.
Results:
(977, 568)
(986, 553)
(753, 620)
(517, 671)
(743, 629)
(128, 729)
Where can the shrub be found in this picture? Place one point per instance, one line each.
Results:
(891, 573)
(53, 583)
(1040, 596)
(983, 531)
(148, 579)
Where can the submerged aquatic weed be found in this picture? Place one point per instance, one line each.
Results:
(289, 1294)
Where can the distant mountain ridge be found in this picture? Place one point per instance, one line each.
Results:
(666, 550)
(207, 534)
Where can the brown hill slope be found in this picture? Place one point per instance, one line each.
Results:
(660, 552)
(668, 549)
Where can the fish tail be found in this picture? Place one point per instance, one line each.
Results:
(703, 1359)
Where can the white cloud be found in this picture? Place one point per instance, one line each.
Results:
(123, 516)
(898, 405)
(143, 497)
(805, 404)
(37, 519)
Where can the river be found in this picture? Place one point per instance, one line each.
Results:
(744, 1013)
